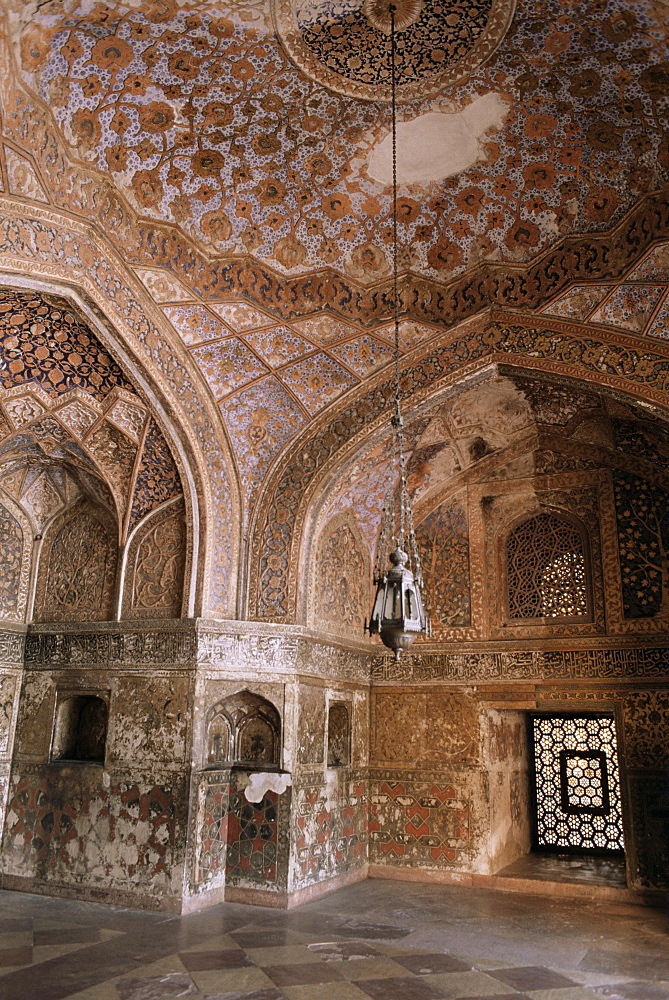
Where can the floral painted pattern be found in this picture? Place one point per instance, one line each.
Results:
(203, 121)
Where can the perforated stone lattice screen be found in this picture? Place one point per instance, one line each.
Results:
(577, 783)
(546, 570)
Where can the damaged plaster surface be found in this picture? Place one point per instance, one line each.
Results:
(263, 782)
(438, 144)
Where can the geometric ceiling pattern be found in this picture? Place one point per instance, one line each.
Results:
(202, 120)
(270, 380)
(71, 424)
(639, 305)
(249, 191)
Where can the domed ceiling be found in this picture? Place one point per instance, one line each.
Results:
(205, 118)
(244, 145)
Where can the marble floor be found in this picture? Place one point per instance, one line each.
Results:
(378, 939)
(574, 868)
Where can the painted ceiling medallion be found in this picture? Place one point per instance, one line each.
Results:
(407, 12)
(344, 44)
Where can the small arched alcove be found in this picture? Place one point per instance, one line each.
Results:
(244, 729)
(547, 569)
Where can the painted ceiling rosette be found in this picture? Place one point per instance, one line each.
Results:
(345, 44)
(205, 124)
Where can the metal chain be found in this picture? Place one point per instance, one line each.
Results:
(397, 419)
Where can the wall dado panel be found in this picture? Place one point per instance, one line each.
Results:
(120, 784)
(449, 757)
(176, 764)
(11, 669)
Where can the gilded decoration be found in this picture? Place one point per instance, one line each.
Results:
(47, 248)
(421, 821)
(547, 569)
(422, 728)
(643, 544)
(646, 715)
(339, 734)
(157, 582)
(45, 344)
(573, 498)
(219, 378)
(311, 729)
(345, 45)
(329, 827)
(443, 543)
(157, 478)
(78, 433)
(8, 691)
(46, 837)
(561, 351)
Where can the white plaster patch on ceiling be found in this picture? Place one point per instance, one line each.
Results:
(439, 144)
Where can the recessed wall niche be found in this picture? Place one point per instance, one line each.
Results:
(243, 729)
(77, 568)
(339, 734)
(80, 728)
(548, 569)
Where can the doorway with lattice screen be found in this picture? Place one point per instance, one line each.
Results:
(577, 804)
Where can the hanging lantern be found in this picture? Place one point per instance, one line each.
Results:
(397, 615)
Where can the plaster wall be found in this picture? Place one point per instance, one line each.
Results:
(435, 786)
(116, 828)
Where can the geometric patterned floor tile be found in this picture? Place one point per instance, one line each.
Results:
(531, 977)
(275, 938)
(500, 996)
(164, 987)
(634, 965)
(21, 955)
(503, 949)
(425, 965)
(255, 995)
(402, 988)
(66, 935)
(305, 974)
(290, 954)
(469, 984)
(634, 991)
(372, 968)
(343, 951)
(200, 961)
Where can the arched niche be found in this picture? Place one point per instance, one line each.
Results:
(546, 569)
(15, 560)
(76, 578)
(74, 425)
(341, 576)
(155, 564)
(292, 492)
(120, 314)
(243, 729)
